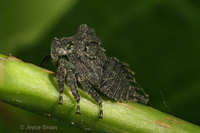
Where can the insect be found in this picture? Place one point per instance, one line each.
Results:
(80, 58)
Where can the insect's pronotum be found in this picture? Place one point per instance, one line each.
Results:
(80, 58)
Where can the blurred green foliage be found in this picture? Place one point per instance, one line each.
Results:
(159, 39)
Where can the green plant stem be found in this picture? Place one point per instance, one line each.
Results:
(35, 89)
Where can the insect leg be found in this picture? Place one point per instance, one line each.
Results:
(72, 83)
(61, 72)
(45, 59)
(88, 88)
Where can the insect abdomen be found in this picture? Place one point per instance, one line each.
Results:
(116, 82)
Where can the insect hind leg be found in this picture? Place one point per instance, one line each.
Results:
(89, 89)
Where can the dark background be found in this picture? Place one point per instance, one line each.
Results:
(158, 39)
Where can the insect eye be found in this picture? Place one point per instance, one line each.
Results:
(61, 52)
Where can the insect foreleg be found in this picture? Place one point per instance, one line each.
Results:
(61, 72)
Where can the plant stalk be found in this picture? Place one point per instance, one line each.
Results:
(35, 89)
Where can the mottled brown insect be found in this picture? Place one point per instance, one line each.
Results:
(81, 58)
